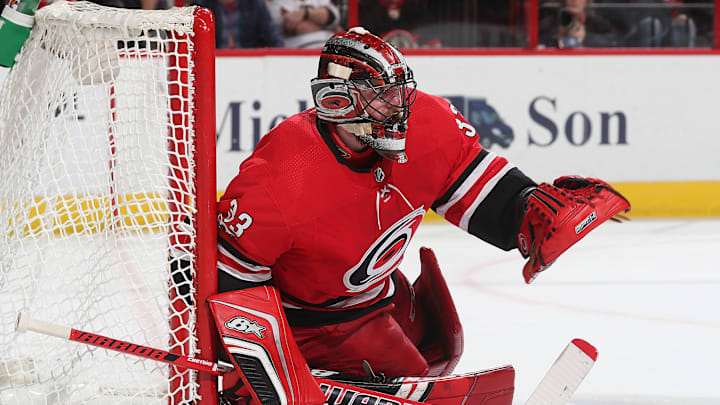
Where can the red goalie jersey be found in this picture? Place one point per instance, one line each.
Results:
(328, 232)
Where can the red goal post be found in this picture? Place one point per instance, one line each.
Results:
(107, 203)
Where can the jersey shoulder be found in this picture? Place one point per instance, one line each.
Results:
(288, 146)
(432, 108)
(289, 138)
(436, 126)
(289, 164)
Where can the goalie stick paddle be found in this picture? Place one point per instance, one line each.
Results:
(25, 322)
(565, 375)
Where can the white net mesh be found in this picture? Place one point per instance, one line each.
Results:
(96, 178)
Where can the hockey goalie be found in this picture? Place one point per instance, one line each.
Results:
(312, 230)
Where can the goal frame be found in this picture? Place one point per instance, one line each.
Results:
(204, 84)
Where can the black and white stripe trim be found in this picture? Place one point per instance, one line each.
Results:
(230, 251)
(459, 181)
(258, 272)
(367, 296)
(464, 184)
(467, 183)
(249, 277)
(484, 192)
(256, 268)
(345, 302)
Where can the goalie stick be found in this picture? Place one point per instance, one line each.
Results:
(565, 375)
(556, 387)
(25, 322)
(334, 389)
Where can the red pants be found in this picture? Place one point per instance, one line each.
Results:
(387, 339)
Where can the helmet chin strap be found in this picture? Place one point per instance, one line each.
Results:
(363, 131)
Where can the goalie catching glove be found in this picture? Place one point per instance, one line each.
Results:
(560, 214)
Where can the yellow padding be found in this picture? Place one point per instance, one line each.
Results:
(67, 215)
(673, 199)
(663, 199)
(147, 212)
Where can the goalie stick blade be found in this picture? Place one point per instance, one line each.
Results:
(565, 375)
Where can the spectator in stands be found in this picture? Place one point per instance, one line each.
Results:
(702, 20)
(305, 23)
(447, 23)
(243, 24)
(682, 31)
(397, 21)
(576, 25)
(653, 24)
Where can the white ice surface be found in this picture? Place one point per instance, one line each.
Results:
(646, 293)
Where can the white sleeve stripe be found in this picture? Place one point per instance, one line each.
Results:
(291, 306)
(487, 188)
(251, 277)
(467, 184)
(357, 299)
(366, 296)
(249, 266)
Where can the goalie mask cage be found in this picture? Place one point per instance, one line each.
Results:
(107, 204)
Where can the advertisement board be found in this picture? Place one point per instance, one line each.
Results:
(630, 119)
(645, 123)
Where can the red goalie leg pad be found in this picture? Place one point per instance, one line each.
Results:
(257, 337)
(488, 387)
(348, 393)
(442, 345)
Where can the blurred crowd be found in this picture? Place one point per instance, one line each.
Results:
(456, 23)
(629, 23)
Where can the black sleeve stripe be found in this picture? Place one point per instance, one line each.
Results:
(497, 219)
(306, 304)
(469, 169)
(230, 248)
(327, 303)
(310, 318)
(227, 283)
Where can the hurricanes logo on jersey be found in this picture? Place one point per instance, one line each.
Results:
(383, 257)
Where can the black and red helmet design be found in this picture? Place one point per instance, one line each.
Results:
(363, 79)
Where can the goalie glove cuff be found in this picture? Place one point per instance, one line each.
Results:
(558, 215)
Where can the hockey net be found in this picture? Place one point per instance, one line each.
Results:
(107, 197)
